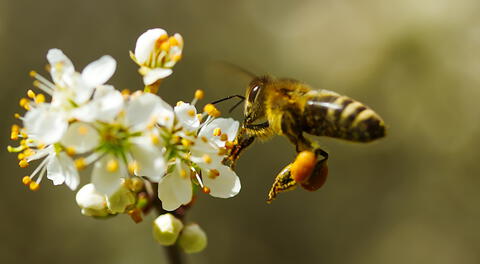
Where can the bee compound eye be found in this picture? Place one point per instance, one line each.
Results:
(253, 93)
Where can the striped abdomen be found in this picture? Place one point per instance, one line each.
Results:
(329, 114)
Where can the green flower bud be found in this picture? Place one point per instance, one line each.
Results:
(166, 229)
(193, 239)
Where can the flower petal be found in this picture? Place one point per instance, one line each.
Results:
(144, 110)
(225, 185)
(227, 126)
(146, 44)
(175, 189)
(60, 64)
(45, 125)
(81, 137)
(187, 116)
(150, 160)
(156, 74)
(107, 181)
(99, 71)
(61, 168)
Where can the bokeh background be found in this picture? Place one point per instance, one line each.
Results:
(412, 197)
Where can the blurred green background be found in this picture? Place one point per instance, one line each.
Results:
(410, 198)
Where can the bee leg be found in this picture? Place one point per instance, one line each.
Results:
(283, 183)
(242, 141)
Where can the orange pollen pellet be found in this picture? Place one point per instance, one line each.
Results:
(217, 132)
(34, 186)
(207, 158)
(206, 190)
(199, 94)
(23, 163)
(224, 137)
(26, 180)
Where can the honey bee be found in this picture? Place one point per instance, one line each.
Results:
(291, 108)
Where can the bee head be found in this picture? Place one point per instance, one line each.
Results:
(255, 99)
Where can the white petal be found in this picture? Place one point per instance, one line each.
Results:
(105, 105)
(88, 197)
(150, 161)
(77, 89)
(61, 168)
(45, 125)
(142, 110)
(226, 125)
(175, 190)
(187, 116)
(156, 74)
(99, 71)
(226, 185)
(81, 137)
(146, 44)
(60, 65)
(105, 181)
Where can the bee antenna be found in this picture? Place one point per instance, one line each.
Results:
(242, 98)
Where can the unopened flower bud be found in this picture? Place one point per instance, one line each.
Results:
(91, 202)
(166, 229)
(120, 200)
(193, 239)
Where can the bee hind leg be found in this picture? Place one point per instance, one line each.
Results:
(283, 183)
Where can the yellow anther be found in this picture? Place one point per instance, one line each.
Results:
(224, 137)
(199, 94)
(126, 92)
(186, 143)
(213, 173)
(165, 46)
(17, 115)
(211, 110)
(32, 73)
(207, 159)
(229, 144)
(133, 167)
(175, 139)
(23, 134)
(222, 151)
(23, 102)
(15, 128)
(162, 38)
(155, 139)
(80, 163)
(40, 98)
(28, 152)
(21, 156)
(14, 135)
(23, 163)
(41, 146)
(173, 41)
(204, 139)
(217, 132)
(177, 57)
(26, 180)
(23, 142)
(48, 68)
(112, 165)
(200, 117)
(179, 103)
(36, 83)
(183, 173)
(191, 112)
(58, 66)
(70, 151)
(30, 94)
(206, 190)
(34, 186)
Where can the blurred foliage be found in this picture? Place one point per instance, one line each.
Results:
(410, 198)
